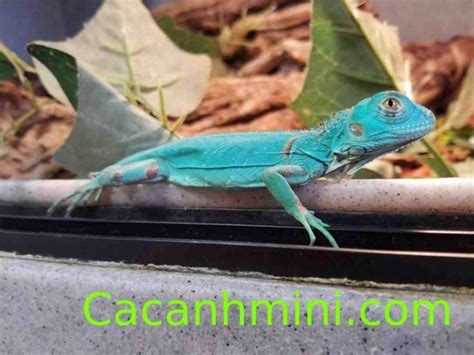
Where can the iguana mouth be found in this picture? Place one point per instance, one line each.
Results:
(349, 165)
(417, 131)
(358, 163)
(353, 158)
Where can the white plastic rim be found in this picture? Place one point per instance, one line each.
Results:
(390, 195)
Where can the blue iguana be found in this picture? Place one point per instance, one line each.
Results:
(341, 145)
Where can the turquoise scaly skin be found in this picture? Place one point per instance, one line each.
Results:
(341, 145)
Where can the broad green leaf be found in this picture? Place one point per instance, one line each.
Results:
(189, 41)
(123, 45)
(107, 128)
(59, 71)
(7, 70)
(353, 56)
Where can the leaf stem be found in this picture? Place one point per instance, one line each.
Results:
(18, 123)
(21, 68)
(133, 90)
(163, 115)
(178, 123)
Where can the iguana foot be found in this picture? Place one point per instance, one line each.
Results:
(276, 179)
(83, 194)
(309, 221)
(136, 172)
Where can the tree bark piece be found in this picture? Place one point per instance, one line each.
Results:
(437, 69)
(290, 19)
(28, 153)
(291, 53)
(256, 103)
(208, 15)
(287, 17)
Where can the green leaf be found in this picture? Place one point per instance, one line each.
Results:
(63, 68)
(195, 43)
(11, 65)
(123, 45)
(7, 70)
(107, 128)
(436, 162)
(189, 41)
(364, 174)
(353, 57)
(440, 169)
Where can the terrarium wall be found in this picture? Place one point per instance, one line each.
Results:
(262, 77)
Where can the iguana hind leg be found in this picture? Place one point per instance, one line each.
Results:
(277, 180)
(142, 172)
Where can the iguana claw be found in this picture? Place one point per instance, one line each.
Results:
(82, 194)
(308, 220)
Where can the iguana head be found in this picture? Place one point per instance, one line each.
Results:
(382, 123)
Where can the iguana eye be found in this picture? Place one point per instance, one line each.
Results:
(356, 129)
(391, 104)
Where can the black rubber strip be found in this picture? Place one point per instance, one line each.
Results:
(291, 261)
(447, 221)
(382, 247)
(347, 237)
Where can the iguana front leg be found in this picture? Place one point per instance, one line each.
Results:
(276, 180)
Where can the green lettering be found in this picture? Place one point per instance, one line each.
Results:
(296, 309)
(146, 318)
(183, 312)
(431, 311)
(269, 307)
(86, 309)
(130, 312)
(363, 311)
(197, 311)
(226, 304)
(309, 310)
(388, 315)
(337, 308)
